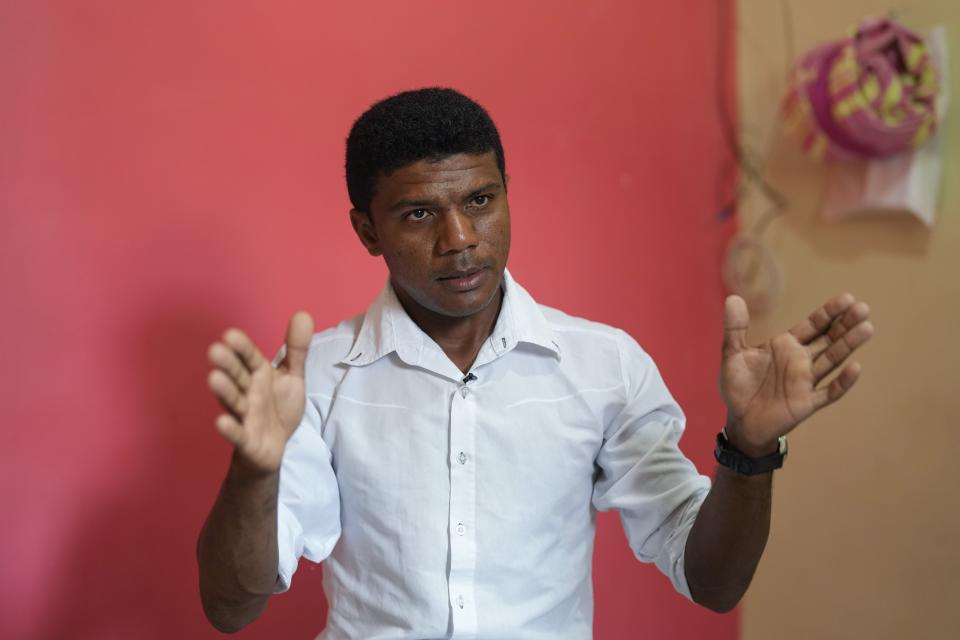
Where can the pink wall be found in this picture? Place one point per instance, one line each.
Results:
(168, 169)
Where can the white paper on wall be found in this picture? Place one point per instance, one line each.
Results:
(905, 183)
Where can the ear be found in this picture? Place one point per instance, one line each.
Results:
(363, 225)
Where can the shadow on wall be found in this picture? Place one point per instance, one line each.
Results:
(900, 234)
(132, 569)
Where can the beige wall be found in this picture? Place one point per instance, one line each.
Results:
(866, 526)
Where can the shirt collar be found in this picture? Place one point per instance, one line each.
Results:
(387, 328)
(521, 321)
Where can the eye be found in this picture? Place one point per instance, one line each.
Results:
(481, 200)
(418, 214)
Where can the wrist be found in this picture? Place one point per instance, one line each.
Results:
(243, 469)
(728, 455)
(751, 447)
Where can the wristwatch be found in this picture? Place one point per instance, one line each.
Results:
(730, 457)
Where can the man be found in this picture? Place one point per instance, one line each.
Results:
(444, 454)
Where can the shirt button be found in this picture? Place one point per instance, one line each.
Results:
(460, 601)
(463, 392)
(462, 458)
(461, 529)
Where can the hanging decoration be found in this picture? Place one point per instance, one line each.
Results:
(871, 105)
(869, 95)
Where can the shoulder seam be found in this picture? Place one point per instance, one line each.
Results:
(319, 338)
(606, 334)
(623, 371)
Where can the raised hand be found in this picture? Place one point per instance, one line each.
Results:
(263, 404)
(771, 387)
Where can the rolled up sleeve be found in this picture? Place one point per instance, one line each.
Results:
(308, 512)
(642, 472)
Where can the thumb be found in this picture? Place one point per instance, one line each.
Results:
(299, 333)
(735, 321)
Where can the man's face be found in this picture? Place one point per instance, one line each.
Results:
(443, 228)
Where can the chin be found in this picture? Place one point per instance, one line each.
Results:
(467, 306)
(462, 305)
(434, 298)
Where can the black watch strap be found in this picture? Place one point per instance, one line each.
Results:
(730, 457)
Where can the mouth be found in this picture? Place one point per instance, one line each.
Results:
(463, 280)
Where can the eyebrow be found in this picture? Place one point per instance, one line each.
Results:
(490, 186)
(403, 204)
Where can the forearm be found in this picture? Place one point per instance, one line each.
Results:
(728, 538)
(237, 550)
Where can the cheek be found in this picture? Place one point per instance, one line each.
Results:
(403, 258)
(496, 231)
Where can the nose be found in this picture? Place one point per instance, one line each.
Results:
(457, 233)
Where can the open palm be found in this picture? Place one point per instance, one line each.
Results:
(771, 387)
(263, 404)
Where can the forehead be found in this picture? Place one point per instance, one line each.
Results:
(448, 176)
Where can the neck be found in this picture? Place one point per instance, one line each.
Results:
(460, 338)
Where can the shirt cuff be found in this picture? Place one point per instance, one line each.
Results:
(289, 545)
(670, 561)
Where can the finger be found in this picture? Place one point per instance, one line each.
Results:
(838, 387)
(856, 314)
(839, 351)
(820, 320)
(299, 333)
(227, 393)
(222, 356)
(736, 317)
(229, 428)
(244, 347)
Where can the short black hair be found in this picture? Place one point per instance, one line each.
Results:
(430, 123)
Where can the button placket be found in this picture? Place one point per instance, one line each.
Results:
(462, 511)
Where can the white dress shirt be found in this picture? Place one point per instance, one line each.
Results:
(453, 506)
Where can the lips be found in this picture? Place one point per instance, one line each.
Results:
(463, 280)
(460, 273)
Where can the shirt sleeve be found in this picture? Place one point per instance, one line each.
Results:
(642, 472)
(308, 511)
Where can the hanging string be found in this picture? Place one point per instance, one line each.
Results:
(750, 269)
